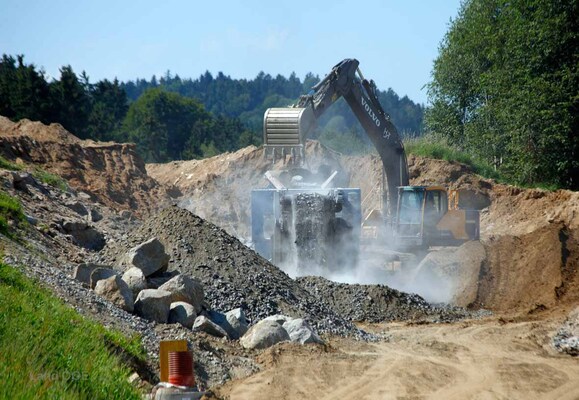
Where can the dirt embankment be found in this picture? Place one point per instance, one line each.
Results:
(111, 173)
(530, 237)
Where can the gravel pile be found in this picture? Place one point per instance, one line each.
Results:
(379, 303)
(214, 365)
(232, 274)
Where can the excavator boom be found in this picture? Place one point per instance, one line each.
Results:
(344, 80)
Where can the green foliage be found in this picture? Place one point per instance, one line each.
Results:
(47, 350)
(505, 88)
(72, 101)
(440, 149)
(10, 209)
(50, 179)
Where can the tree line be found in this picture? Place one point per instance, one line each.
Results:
(172, 118)
(505, 88)
(165, 126)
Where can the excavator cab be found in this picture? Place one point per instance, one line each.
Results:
(430, 216)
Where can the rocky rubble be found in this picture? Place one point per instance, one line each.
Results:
(566, 340)
(232, 275)
(379, 303)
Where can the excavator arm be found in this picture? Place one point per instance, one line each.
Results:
(345, 80)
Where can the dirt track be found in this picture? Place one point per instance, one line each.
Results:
(482, 360)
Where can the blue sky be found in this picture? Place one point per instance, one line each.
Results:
(395, 41)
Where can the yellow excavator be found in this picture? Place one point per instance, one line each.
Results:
(412, 216)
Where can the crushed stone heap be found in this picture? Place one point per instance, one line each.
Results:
(232, 274)
(379, 303)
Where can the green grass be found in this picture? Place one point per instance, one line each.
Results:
(38, 173)
(10, 209)
(5, 164)
(47, 350)
(426, 146)
(50, 179)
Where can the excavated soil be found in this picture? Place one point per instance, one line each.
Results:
(529, 256)
(467, 360)
(524, 270)
(111, 173)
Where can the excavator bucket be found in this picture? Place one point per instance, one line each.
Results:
(285, 131)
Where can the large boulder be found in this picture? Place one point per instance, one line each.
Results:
(100, 273)
(278, 318)
(115, 290)
(263, 335)
(301, 332)
(82, 272)
(221, 320)
(182, 313)
(238, 323)
(149, 257)
(449, 275)
(204, 324)
(135, 279)
(185, 289)
(154, 305)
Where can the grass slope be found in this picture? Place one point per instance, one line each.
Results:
(47, 350)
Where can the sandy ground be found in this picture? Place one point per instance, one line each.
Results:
(490, 359)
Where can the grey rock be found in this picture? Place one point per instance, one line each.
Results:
(160, 278)
(566, 340)
(154, 305)
(150, 257)
(100, 273)
(77, 207)
(82, 272)
(135, 279)
(71, 226)
(31, 220)
(20, 180)
(278, 319)
(185, 289)
(264, 334)
(301, 332)
(84, 235)
(182, 313)
(204, 324)
(115, 290)
(83, 195)
(126, 214)
(237, 322)
(221, 320)
(95, 215)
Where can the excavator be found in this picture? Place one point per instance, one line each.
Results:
(301, 212)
